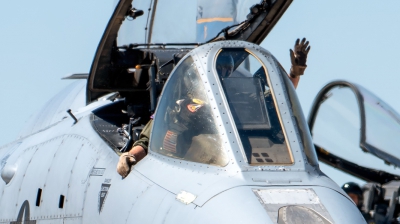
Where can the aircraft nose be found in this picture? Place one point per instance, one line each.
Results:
(255, 204)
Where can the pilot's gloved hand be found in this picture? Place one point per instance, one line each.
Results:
(298, 57)
(126, 161)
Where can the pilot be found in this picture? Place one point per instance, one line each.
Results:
(181, 121)
(298, 57)
(181, 128)
(355, 193)
(139, 149)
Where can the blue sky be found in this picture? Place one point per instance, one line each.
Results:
(43, 41)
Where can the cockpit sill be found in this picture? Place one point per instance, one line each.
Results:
(212, 180)
(232, 168)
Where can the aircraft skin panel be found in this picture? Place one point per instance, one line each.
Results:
(244, 206)
(19, 159)
(59, 175)
(73, 100)
(172, 176)
(80, 170)
(36, 175)
(183, 213)
(171, 209)
(50, 221)
(147, 205)
(75, 220)
(76, 180)
(332, 200)
(89, 177)
(71, 97)
(7, 150)
(120, 198)
(5, 154)
(47, 160)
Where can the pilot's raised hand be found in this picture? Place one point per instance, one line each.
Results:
(126, 161)
(298, 57)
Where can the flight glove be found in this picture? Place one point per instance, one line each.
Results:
(298, 57)
(126, 161)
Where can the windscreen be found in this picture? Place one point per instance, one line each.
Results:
(182, 21)
(185, 127)
(252, 105)
(249, 109)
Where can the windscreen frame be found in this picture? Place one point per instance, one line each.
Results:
(292, 118)
(281, 123)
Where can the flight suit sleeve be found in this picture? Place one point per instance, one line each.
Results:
(144, 136)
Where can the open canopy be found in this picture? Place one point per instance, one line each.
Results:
(199, 21)
(356, 132)
(141, 32)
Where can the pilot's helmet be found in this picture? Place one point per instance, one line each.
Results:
(190, 98)
(225, 64)
(355, 193)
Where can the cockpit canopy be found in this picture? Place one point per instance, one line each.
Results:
(204, 109)
(185, 126)
(356, 132)
(135, 49)
(192, 21)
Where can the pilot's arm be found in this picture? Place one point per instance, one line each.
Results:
(137, 153)
(298, 58)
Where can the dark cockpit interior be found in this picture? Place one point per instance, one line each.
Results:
(138, 77)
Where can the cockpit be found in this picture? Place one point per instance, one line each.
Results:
(223, 98)
(186, 126)
(221, 95)
(206, 103)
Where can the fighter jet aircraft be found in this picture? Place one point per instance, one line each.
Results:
(229, 142)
